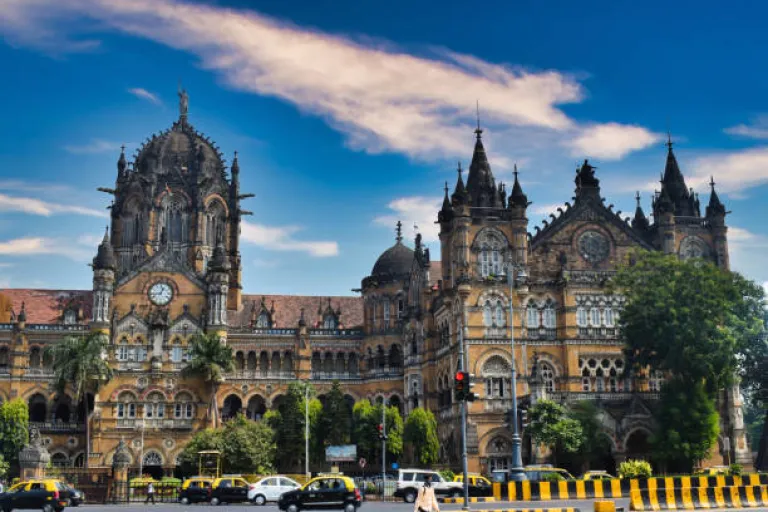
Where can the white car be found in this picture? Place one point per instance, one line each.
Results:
(270, 489)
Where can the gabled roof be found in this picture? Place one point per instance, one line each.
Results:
(288, 310)
(46, 306)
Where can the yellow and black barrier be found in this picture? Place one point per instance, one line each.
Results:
(471, 500)
(691, 498)
(615, 488)
(530, 510)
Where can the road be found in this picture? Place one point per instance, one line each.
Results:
(369, 506)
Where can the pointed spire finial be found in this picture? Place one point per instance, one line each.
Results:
(669, 140)
(399, 231)
(637, 198)
(712, 182)
(478, 130)
(515, 171)
(459, 169)
(445, 189)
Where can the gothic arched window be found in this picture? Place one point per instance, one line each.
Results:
(490, 245)
(173, 223)
(532, 316)
(497, 373)
(550, 315)
(499, 314)
(487, 314)
(581, 316)
(548, 375)
(263, 321)
(214, 222)
(329, 321)
(610, 319)
(594, 317)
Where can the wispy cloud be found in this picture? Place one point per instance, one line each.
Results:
(34, 206)
(281, 238)
(145, 95)
(545, 209)
(382, 97)
(413, 211)
(746, 250)
(25, 186)
(734, 171)
(757, 129)
(94, 146)
(31, 246)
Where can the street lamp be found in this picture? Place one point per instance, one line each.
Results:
(143, 426)
(516, 472)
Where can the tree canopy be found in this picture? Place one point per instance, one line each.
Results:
(209, 359)
(288, 423)
(14, 429)
(550, 424)
(335, 423)
(366, 418)
(420, 434)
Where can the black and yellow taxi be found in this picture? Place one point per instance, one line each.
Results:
(323, 492)
(229, 489)
(195, 489)
(48, 495)
(478, 486)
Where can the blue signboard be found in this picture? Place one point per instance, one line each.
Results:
(342, 453)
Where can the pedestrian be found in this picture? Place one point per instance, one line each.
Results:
(150, 493)
(425, 499)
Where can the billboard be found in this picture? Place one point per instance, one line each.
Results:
(342, 453)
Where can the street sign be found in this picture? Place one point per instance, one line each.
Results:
(362, 462)
(395, 465)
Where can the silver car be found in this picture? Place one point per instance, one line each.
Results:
(270, 488)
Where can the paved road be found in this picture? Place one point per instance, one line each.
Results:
(370, 506)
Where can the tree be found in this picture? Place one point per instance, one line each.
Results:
(549, 424)
(688, 425)
(754, 377)
(14, 429)
(245, 446)
(687, 318)
(420, 435)
(80, 362)
(209, 359)
(334, 425)
(595, 446)
(366, 419)
(288, 422)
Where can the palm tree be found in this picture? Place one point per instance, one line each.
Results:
(209, 359)
(80, 362)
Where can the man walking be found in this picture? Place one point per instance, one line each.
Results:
(150, 493)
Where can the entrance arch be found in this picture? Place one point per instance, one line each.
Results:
(152, 464)
(232, 406)
(257, 406)
(38, 408)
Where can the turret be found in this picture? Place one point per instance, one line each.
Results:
(640, 221)
(104, 266)
(716, 213)
(460, 195)
(218, 286)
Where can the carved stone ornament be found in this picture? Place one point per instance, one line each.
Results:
(693, 247)
(593, 246)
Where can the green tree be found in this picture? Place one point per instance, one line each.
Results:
(288, 423)
(366, 418)
(209, 359)
(688, 425)
(4, 467)
(550, 424)
(596, 446)
(754, 378)
(334, 426)
(420, 435)
(80, 363)
(14, 429)
(688, 318)
(245, 446)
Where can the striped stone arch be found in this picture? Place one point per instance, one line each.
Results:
(489, 353)
(125, 387)
(553, 361)
(177, 392)
(488, 295)
(152, 389)
(39, 389)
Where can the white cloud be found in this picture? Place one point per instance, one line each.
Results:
(145, 95)
(380, 96)
(23, 186)
(546, 209)
(30, 246)
(413, 211)
(611, 141)
(758, 129)
(280, 238)
(94, 146)
(39, 207)
(746, 250)
(733, 171)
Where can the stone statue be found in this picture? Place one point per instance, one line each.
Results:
(34, 437)
(183, 102)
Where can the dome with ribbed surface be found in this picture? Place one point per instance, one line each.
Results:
(395, 261)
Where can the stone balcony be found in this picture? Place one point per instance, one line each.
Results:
(57, 426)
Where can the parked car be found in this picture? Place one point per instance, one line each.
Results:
(48, 495)
(195, 490)
(229, 489)
(597, 474)
(76, 498)
(410, 480)
(479, 486)
(325, 492)
(546, 473)
(270, 489)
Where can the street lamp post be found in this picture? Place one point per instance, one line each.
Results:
(516, 472)
(306, 430)
(141, 452)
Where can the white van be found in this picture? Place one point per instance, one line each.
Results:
(409, 481)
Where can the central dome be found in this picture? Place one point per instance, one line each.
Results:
(179, 147)
(395, 261)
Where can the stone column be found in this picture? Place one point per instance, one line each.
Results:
(120, 462)
(34, 457)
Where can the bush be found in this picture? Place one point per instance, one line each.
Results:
(553, 477)
(735, 470)
(635, 469)
(447, 474)
(370, 488)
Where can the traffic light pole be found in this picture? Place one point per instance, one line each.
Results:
(383, 445)
(463, 405)
(516, 472)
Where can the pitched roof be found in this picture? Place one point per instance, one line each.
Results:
(47, 306)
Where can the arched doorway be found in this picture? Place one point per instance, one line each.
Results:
(62, 409)
(152, 464)
(38, 408)
(232, 406)
(257, 406)
(638, 444)
(394, 401)
(59, 460)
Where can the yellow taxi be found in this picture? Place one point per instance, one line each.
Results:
(48, 495)
(323, 492)
(478, 485)
(597, 474)
(229, 489)
(195, 489)
(714, 471)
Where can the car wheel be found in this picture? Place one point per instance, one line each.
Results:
(292, 508)
(349, 507)
(260, 500)
(185, 501)
(48, 508)
(215, 501)
(409, 496)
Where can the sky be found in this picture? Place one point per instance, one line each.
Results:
(348, 116)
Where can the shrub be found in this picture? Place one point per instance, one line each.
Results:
(553, 477)
(370, 488)
(735, 470)
(447, 474)
(635, 469)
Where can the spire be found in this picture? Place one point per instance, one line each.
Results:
(121, 164)
(235, 165)
(445, 214)
(399, 231)
(674, 183)
(105, 256)
(481, 184)
(517, 199)
(183, 103)
(715, 207)
(640, 222)
(460, 193)
(478, 130)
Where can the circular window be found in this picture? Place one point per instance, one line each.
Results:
(593, 246)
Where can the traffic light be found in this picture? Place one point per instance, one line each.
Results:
(470, 396)
(461, 385)
(380, 429)
(523, 418)
(508, 419)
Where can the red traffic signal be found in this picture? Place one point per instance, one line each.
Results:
(460, 376)
(461, 385)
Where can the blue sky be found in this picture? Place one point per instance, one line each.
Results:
(350, 115)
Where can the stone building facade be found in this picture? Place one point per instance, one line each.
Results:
(169, 266)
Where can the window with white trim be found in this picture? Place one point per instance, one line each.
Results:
(581, 316)
(610, 320)
(594, 317)
(487, 314)
(550, 315)
(499, 311)
(385, 305)
(532, 316)
(548, 376)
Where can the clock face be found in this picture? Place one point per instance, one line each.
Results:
(693, 247)
(594, 246)
(160, 294)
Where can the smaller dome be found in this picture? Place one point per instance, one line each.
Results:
(395, 261)
(105, 257)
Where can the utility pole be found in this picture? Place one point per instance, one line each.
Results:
(141, 453)
(463, 405)
(516, 471)
(306, 430)
(383, 443)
